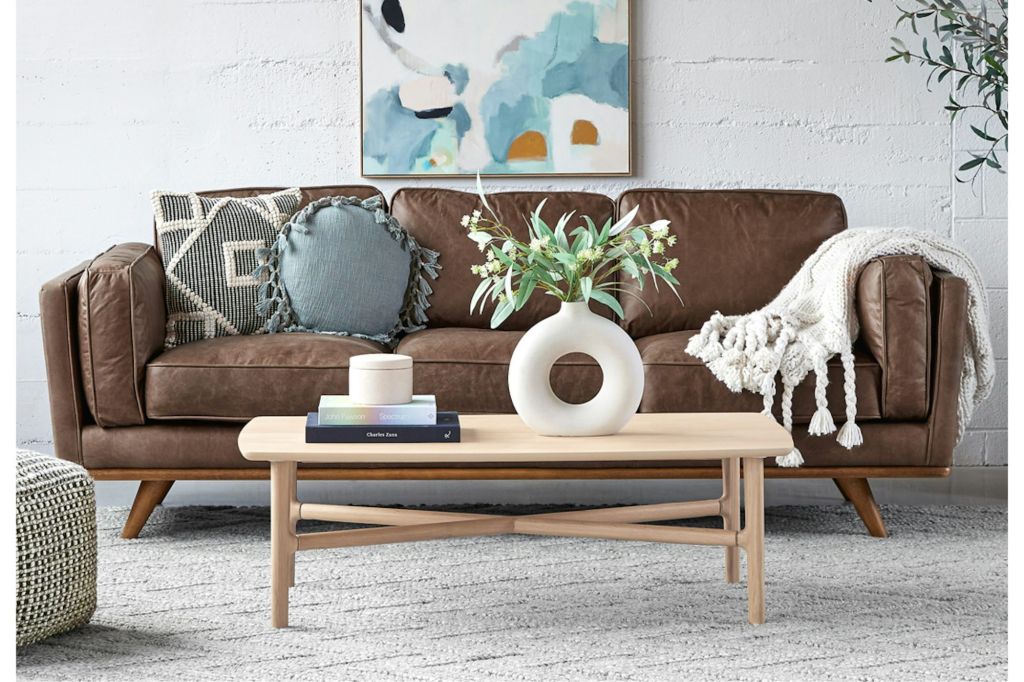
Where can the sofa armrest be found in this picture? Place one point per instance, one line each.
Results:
(122, 322)
(58, 317)
(949, 305)
(895, 312)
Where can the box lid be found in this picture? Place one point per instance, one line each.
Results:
(380, 361)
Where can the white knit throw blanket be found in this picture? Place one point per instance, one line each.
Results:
(813, 318)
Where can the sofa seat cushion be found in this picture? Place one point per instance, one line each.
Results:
(678, 382)
(467, 369)
(236, 378)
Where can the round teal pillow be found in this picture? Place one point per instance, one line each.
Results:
(345, 266)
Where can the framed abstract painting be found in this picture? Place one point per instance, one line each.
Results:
(502, 87)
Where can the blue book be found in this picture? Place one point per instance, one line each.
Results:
(446, 430)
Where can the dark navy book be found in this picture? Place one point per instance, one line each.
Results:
(446, 430)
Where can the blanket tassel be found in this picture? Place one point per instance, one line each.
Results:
(822, 422)
(793, 458)
(790, 460)
(850, 435)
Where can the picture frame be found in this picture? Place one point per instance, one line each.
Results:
(547, 94)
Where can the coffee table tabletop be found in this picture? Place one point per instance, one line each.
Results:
(505, 438)
(733, 438)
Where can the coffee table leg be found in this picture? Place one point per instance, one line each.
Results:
(293, 519)
(731, 514)
(753, 506)
(282, 539)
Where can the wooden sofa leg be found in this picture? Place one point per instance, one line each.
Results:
(839, 484)
(149, 495)
(857, 491)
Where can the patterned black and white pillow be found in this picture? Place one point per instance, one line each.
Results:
(208, 246)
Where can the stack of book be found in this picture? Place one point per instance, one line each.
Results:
(340, 420)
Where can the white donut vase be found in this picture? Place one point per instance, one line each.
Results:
(575, 329)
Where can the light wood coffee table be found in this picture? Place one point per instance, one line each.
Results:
(729, 437)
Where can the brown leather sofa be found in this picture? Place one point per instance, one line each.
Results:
(127, 410)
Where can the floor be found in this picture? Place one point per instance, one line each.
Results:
(190, 600)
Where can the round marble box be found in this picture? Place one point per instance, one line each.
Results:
(380, 379)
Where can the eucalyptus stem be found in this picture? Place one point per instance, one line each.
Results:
(974, 55)
(572, 261)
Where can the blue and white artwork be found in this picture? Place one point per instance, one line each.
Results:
(496, 87)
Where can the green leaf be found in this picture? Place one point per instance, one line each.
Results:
(561, 241)
(483, 197)
(973, 163)
(586, 285)
(545, 276)
(543, 261)
(502, 256)
(509, 276)
(982, 134)
(480, 237)
(991, 61)
(608, 300)
(479, 293)
(582, 240)
(650, 266)
(664, 274)
(564, 220)
(624, 221)
(560, 237)
(526, 286)
(539, 226)
(501, 313)
(581, 230)
(630, 267)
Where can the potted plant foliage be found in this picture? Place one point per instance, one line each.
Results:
(578, 262)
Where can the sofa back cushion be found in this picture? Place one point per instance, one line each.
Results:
(432, 216)
(736, 250)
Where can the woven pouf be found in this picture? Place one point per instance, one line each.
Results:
(56, 546)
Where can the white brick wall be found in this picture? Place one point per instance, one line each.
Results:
(118, 97)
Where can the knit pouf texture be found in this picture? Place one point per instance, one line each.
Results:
(56, 546)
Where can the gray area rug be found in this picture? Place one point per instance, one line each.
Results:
(189, 600)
